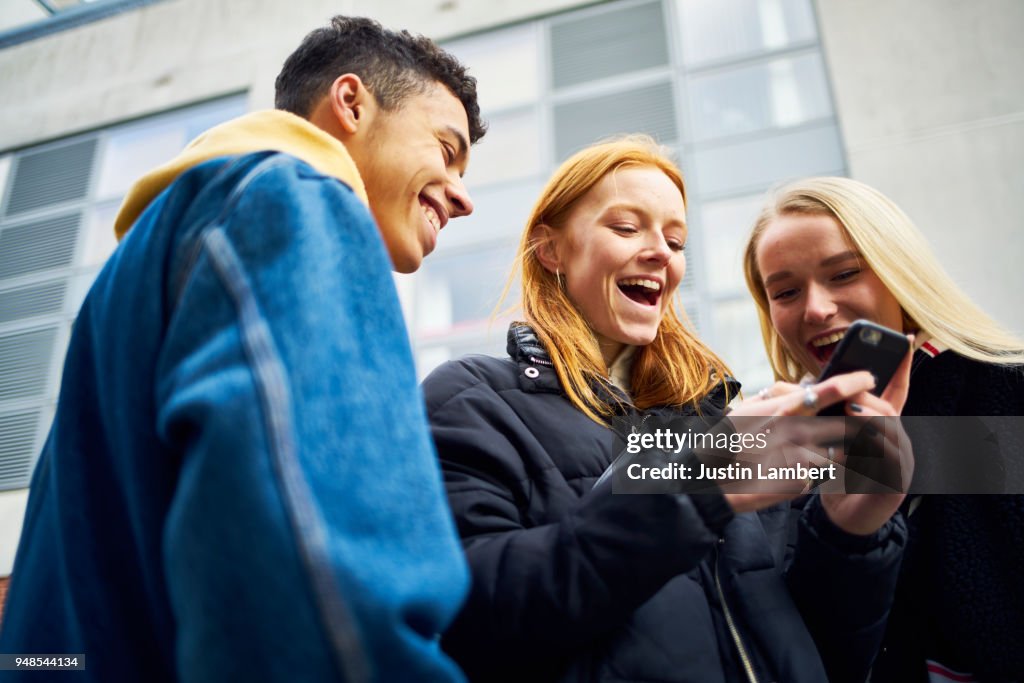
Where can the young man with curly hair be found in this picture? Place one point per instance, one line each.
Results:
(239, 483)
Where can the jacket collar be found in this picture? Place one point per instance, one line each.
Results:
(273, 130)
(537, 371)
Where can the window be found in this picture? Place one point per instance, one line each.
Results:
(719, 30)
(57, 211)
(778, 93)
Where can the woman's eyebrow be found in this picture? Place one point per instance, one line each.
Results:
(637, 209)
(840, 257)
(830, 261)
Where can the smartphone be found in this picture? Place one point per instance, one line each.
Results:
(866, 346)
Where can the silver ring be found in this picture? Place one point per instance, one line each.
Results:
(764, 394)
(810, 398)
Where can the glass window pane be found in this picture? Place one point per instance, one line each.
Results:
(722, 29)
(5, 169)
(79, 285)
(725, 226)
(500, 211)
(135, 149)
(755, 165)
(510, 150)
(459, 292)
(99, 241)
(776, 94)
(505, 65)
(738, 342)
(205, 116)
(131, 153)
(492, 343)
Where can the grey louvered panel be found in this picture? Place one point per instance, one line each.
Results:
(25, 363)
(26, 302)
(608, 44)
(645, 110)
(39, 245)
(57, 174)
(17, 448)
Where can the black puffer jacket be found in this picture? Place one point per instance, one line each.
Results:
(573, 583)
(960, 599)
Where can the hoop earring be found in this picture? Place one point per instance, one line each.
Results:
(558, 278)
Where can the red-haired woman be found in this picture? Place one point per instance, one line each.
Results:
(571, 582)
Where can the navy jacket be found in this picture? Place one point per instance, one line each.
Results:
(573, 583)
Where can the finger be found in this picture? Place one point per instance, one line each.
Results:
(817, 396)
(780, 388)
(783, 388)
(870, 406)
(896, 392)
(806, 402)
(842, 387)
(766, 404)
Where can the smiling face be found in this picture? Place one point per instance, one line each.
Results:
(621, 254)
(412, 160)
(817, 284)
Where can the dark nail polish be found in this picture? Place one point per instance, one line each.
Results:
(856, 407)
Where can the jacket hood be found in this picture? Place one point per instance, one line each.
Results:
(261, 131)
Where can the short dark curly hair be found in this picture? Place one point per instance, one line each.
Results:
(393, 65)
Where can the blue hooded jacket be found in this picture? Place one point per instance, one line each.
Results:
(239, 483)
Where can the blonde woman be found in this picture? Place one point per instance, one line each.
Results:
(571, 582)
(826, 251)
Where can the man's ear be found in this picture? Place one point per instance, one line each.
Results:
(351, 103)
(545, 245)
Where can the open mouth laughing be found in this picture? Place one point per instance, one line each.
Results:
(643, 291)
(824, 345)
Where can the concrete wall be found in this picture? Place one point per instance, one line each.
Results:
(932, 111)
(181, 51)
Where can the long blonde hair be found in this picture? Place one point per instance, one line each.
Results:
(898, 254)
(676, 368)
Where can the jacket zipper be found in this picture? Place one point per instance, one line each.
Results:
(744, 658)
(636, 430)
(541, 361)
